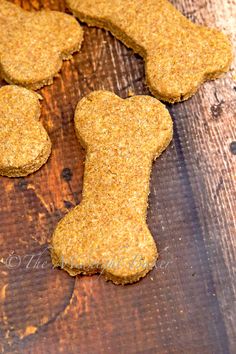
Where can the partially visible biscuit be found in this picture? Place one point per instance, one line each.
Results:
(107, 233)
(24, 143)
(179, 55)
(33, 44)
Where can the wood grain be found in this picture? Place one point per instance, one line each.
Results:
(187, 303)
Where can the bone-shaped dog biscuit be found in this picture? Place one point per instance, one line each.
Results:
(33, 44)
(24, 143)
(179, 55)
(107, 232)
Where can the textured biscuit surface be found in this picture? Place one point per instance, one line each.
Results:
(107, 232)
(33, 44)
(179, 55)
(24, 143)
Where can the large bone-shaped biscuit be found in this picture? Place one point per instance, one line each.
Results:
(24, 143)
(107, 232)
(33, 44)
(179, 55)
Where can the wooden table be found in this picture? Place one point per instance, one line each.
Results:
(187, 303)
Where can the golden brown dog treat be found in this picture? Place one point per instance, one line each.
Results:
(179, 55)
(33, 44)
(24, 143)
(107, 233)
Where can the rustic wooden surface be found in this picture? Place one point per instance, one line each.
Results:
(187, 303)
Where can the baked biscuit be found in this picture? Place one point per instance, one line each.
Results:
(33, 44)
(24, 143)
(107, 233)
(179, 54)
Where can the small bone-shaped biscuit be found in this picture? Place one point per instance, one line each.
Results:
(33, 44)
(24, 143)
(107, 232)
(179, 55)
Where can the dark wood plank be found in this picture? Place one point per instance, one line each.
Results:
(187, 303)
